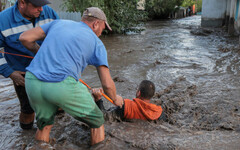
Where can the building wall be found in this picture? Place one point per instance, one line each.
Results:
(213, 12)
(237, 17)
(217, 13)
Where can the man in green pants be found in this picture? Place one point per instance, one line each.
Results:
(52, 78)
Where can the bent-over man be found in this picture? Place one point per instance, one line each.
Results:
(52, 79)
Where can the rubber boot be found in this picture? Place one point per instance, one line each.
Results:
(26, 120)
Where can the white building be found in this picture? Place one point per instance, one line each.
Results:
(217, 13)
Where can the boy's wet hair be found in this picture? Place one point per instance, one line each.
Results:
(147, 89)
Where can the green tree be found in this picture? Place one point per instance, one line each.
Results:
(122, 15)
(187, 3)
(198, 4)
(161, 8)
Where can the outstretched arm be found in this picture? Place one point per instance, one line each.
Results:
(29, 38)
(112, 114)
(108, 85)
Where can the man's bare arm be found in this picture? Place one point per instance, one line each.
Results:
(108, 85)
(29, 38)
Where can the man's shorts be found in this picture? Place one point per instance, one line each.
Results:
(70, 95)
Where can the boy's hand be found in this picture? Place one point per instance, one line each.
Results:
(96, 92)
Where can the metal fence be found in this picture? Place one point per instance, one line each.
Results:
(76, 16)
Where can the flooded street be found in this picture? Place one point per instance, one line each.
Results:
(196, 74)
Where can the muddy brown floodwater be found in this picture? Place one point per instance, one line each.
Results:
(196, 73)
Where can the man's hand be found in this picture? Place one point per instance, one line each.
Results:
(119, 101)
(97, 93)
(17, 77)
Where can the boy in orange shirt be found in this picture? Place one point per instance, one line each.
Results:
(138, 108)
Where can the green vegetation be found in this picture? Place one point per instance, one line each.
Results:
(187, 3)
(198, 4)
(161, 8)
(122, 15)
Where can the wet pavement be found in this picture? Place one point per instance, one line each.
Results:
(196, 74)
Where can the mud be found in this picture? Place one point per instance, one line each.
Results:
(201, 31)
(197, 84)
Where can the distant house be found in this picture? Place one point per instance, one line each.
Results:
(141, 5)
(179, 13)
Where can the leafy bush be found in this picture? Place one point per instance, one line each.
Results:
(187, 3)
(198, 4)
(161, 8)
(122, 15)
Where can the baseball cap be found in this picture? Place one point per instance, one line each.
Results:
(39, 3)
(97, 13)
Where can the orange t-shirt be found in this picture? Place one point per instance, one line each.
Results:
(139, 109)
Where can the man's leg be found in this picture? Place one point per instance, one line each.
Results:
(43, 135)
(75, 99)
(27, 114)
(97, 135)
(38, 92)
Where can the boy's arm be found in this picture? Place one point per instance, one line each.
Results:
(100, 105)
(114, 113)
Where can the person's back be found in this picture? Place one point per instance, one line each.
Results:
(139, 109)
(77, 41)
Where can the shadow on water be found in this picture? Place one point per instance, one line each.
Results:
(196, 73)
